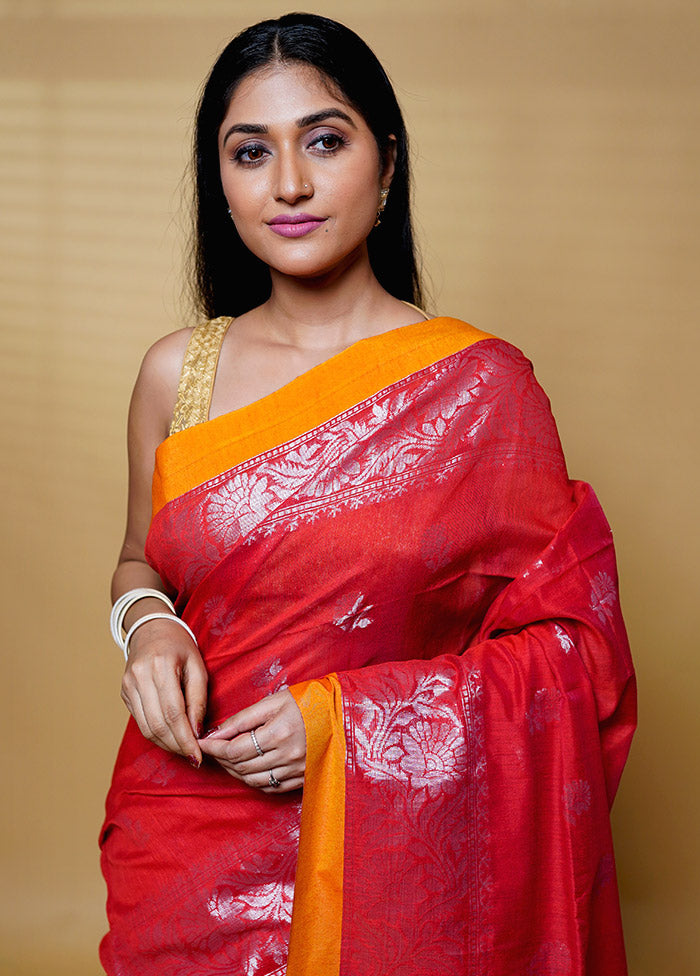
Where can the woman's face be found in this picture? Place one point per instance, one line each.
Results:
(300, 170)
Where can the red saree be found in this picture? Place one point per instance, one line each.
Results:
(394, 536)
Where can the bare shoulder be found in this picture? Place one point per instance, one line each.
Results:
(162, 363)
(156, 386)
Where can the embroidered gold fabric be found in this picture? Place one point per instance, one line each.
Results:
(198, 373)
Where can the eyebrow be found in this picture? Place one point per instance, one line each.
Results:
(253, 128)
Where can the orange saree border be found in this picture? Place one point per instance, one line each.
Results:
(197, 454)
(317, 915)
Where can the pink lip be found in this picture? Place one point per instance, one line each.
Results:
(295, 225)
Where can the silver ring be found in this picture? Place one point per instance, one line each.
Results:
(256, 743)
(273, 780)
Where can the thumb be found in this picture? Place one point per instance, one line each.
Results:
(194, 689)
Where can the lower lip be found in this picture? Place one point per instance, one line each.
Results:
(296, 230)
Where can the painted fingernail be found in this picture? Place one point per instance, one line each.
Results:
(198, 730)
(193, 761)
(212, 731)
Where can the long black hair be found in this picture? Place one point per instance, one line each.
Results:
(228, 278)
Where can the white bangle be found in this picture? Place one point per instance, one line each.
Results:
(154, 616)
(125, 602)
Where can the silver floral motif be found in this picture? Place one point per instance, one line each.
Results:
(430, 754)
(157, 767)
(577, 798)
(215, 917)
(603, 596)
(417, 740)
(271, 676)
(435, 813)
(138, 833)
(545, 708)
(438, 546)
(238, 505)
(352, 612)
(219, 614)
(565, 641)
(271, 901)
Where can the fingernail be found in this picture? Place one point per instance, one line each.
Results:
(193, 761)
(211, 731)
(198, 730)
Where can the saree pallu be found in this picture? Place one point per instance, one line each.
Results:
(394, 537)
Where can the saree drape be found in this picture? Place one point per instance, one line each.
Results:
(394, 537)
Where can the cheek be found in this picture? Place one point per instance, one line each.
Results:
(363, 210)
(245, 211)
(358, 195)
(240, 207)
(246, 230)
(240, 188)
(238, 199)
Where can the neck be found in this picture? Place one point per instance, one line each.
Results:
(328, 311)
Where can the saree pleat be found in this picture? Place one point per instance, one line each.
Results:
(442, 601)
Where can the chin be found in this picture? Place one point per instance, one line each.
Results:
(317, 267)
(316, 257)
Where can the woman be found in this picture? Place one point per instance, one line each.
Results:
(386, 589)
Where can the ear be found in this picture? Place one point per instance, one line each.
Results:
(388, 161)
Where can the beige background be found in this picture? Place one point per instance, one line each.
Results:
(557, 170)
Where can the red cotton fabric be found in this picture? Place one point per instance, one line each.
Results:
(427, 547)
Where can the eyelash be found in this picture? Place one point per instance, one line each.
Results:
(242, 151)
(340, 142)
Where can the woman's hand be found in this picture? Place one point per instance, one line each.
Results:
(280, 734)
(165, 687)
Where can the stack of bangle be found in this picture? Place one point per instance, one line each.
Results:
(125, 602)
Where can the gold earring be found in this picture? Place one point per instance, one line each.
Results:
(382, 203)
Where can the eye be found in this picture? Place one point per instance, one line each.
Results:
(248, 155)
(328, 142)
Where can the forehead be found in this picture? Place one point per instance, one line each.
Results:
(281, 93)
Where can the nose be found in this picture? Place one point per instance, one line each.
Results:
(293, 183)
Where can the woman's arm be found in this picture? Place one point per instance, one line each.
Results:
(165, 681)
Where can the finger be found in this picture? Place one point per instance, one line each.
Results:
(296, 783)
(194, 689)
(240, 756)
(164, 707)
(133, 703)
(262, 764)
(137, 687)
(159, 731)
(238, 750)
(131, 693)
(168, 682)
(288, 777)
(282, 776)
(248, 718)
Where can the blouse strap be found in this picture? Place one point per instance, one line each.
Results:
(415, 308)
(196, 384)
